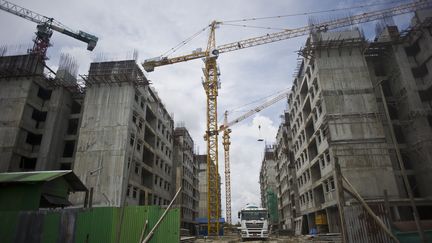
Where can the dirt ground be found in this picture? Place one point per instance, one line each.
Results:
(232, 239)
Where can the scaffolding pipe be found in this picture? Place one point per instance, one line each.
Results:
(150, 235)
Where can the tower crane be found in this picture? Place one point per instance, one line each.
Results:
(211, 80)
(45, 27)
(225, 128)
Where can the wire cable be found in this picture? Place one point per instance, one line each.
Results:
(314, 12)
(254, 26)
(183, 43)
(259, 100)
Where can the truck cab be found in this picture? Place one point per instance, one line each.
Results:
(254, 223)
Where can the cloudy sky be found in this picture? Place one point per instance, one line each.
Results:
(153, 27)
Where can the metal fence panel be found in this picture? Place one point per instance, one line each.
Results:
(362, 228)
(29, 227)
(134, 220)
(169, 229)
(51, 222)
(8, 221)
(133, 223)
(95, 225)
(88, 225)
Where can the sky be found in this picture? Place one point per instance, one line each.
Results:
(154, 27)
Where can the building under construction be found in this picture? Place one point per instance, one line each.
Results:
(40, 113)
(203, 189)
(125, 147)
(185, 175)
(286, 182)
(268, 187)
(112, 129)
(363, 106)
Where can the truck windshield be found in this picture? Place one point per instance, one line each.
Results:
(254, 215)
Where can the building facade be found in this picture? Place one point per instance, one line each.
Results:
(268, 184)
(202, 177)
(401, 66)
(124, 154)
(40, 115)
(335, 118)
(186, 176)
(286, 180)
(349, 96)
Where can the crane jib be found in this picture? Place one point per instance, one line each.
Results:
(292, 33)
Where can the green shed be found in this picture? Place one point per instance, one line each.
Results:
(37, 189)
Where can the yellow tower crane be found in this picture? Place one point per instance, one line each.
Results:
(211, 81)
(225, 127)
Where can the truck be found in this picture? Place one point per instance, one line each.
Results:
(254, 223)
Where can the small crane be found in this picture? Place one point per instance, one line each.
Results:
(45, 27)
(225, 128)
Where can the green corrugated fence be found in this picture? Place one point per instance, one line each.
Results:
(88, 225)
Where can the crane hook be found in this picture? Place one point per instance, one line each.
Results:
(260, 139)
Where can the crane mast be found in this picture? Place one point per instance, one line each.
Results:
(211, 81)
(45, 27)
(226, 144)
(211, 85)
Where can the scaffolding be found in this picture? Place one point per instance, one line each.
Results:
(21, 66)
(115, 73)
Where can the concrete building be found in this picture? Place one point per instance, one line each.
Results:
(40, 114)
(125, 147)
(286, 181)
(185, 174)
(202, 177)
(335, 118)
(268, 184)
(401, 64)
(344, 88)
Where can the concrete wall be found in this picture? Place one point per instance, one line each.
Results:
(186, 176)
(335, 116)
(202, 177)
(35, 117)
(13, 96)
(100, 160)
(286, 181)
(405, 70)
(353, 123)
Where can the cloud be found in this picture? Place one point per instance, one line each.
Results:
(153, 27)
(246, 154)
